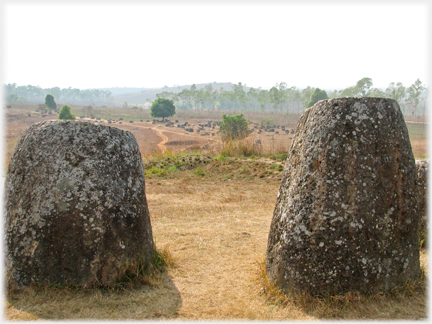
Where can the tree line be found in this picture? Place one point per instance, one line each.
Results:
(281, 98)
(36, 94)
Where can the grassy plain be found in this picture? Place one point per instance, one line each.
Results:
(213, 218)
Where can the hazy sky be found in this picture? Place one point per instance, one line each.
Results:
(320, 44)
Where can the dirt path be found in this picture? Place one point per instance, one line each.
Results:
(160, 133)
(163, 134)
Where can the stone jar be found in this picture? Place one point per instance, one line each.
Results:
(422, 185)
(75, 205)
(346, 213)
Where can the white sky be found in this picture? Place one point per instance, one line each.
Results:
(320, 44)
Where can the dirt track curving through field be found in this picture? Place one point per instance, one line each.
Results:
(165, 139)
(165, 135)
(160, 133)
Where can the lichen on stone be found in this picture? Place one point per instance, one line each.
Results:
(347, 201)
(75, 205)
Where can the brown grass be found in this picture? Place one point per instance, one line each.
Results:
(216, 231)
(407, 302)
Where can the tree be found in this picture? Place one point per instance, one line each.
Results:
(306, 94)
(376, 93)
(361, 89)
(186, 97)
(316, 96)
(263, 99)
(50, 102)
(414, 92)
(162, 107)
(279, 95)
(396, 91)
(348, 92)
(234, 127)
(252, 97)
(65, 113)
(13, 97)
(239, 95)
(296, 97)
(363, 86)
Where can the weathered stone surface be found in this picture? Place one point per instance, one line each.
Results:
(76, 210)
(345, 217)
(422, 171)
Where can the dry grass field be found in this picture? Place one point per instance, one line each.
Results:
(213, 222)
(216, 232)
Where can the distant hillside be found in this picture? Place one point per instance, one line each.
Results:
(141, 95)
(117, 91)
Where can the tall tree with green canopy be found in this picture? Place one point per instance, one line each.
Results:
(361, 89)
(50, 102)
(316, 96)
(279, 95)
(186, 99)
(377, 93)
(65, 113)
(363, 86)
(306, 94)
(414, 91)
(263, 99)
(396, 91)
(239, 95)
(234, 127)
(162, 107)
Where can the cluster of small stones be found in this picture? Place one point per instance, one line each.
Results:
(248, 168)
(273, 129)
(75, 205)
(422, 171)
(346, 214)
(191, 128)
(108, 120)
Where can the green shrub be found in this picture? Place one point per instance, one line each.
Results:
(234, 127)
(65, 113)
(50, 102)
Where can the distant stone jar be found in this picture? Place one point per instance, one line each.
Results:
(346, 215)
(75, 205)
(422, 174)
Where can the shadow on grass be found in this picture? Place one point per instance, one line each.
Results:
(160, 299)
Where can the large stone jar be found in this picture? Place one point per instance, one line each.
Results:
(75, 205)
(346, 213)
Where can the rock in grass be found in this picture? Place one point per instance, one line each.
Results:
(346, 214)
(76, 209)
(422, 173)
